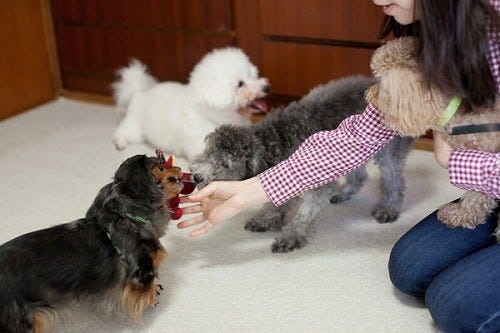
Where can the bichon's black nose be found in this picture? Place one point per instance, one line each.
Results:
(266, 88)
(197, 178)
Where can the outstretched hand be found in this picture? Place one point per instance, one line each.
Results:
(219, 201)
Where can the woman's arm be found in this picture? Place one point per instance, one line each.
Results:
(474, 170)
(471, 170)
(326, 156)
(320, 159)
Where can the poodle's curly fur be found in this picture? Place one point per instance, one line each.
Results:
(223, 88)
(240, 152)
(411, 107)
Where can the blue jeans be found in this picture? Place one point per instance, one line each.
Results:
(457, 271)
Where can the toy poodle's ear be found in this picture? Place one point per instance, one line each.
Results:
(406, 103)
(255, 165)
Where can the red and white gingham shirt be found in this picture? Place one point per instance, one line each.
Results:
(325, 156)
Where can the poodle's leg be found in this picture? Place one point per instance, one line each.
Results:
(129, 130)
(269, 217)
(295, 232)
(391, 161)
(468, 212)
(353, 183)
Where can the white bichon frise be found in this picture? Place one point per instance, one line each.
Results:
(176, 117)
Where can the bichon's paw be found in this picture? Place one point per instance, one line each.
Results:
(287, 244)
(384, 214)
(120, 143)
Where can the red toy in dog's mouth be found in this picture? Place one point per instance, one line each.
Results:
(188, 185)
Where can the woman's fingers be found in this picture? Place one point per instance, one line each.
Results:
(184, 199)
(206, 228)
(205, 192)
(192, 209)
(188, 223)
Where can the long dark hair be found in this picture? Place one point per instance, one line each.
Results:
(453, 46)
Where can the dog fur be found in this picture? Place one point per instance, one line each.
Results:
(222, 88)
(411, 107)
(241, 152)
(109, 257)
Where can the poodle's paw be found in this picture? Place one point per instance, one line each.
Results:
(287, 244)
(339, 197)
(120, 142)
(454, 215)
(259, 224)
(384, 214)
(256, 226)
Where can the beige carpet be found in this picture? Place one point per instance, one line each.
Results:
(56, 157)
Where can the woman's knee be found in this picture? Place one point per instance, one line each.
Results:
(466, 296)
(405, 269)
(429, 247)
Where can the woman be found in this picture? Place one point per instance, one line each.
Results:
(456, 270)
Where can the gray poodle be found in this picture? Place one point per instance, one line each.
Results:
(240, 152)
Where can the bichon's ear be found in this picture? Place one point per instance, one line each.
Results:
(216, 92)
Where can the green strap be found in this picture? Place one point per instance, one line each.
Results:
(138, 219)
(450, 110)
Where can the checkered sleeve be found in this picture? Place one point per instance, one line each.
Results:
(493, 55)
(327, 155)
(478, 171)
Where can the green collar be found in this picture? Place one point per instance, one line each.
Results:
(450, 110)
(138, 219)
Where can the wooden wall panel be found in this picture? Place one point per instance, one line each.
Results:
(96, 37)
(297, 44)
(294, 69)
(247, 26)
(26, 66)
(348, 20)
(209, 15)
(89, 53)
